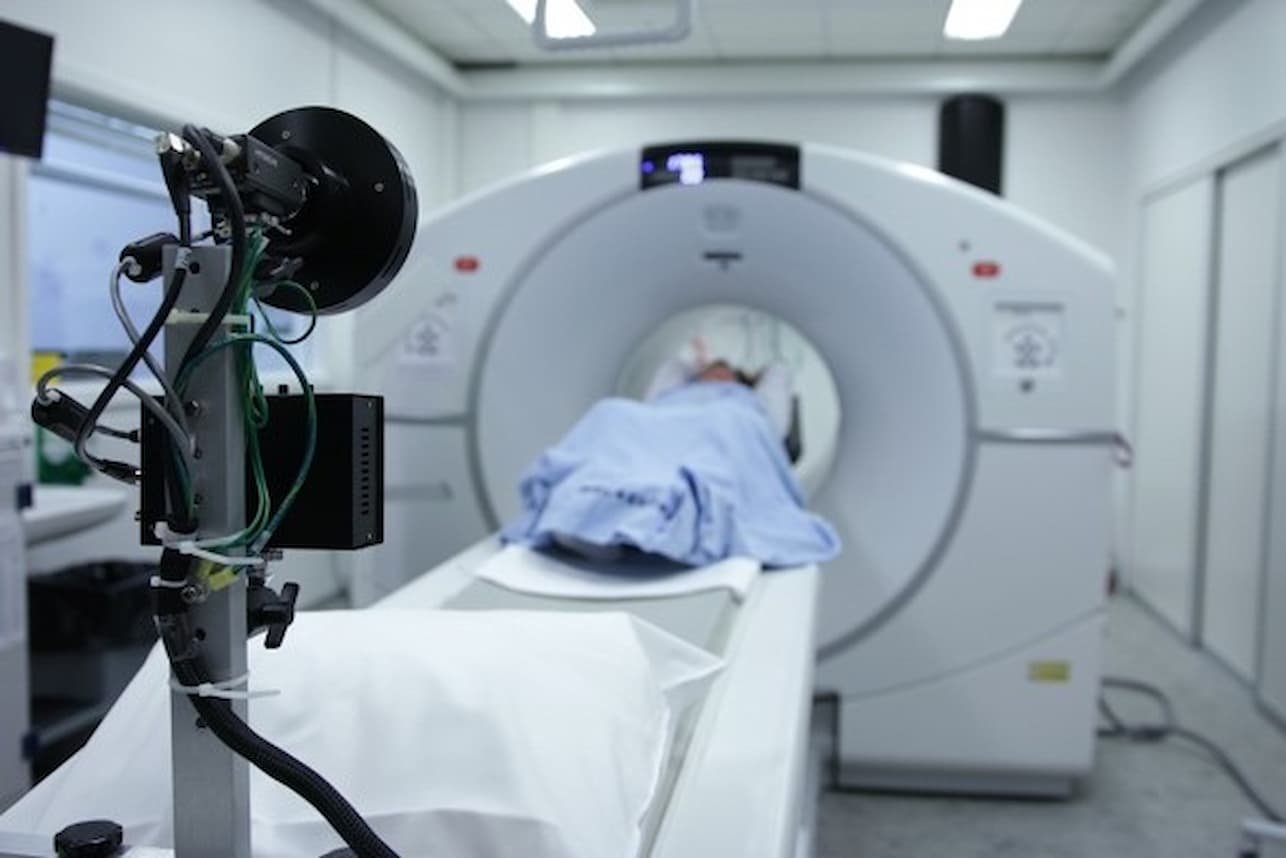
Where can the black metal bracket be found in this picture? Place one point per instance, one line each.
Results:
(266, 609)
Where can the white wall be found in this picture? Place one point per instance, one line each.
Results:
(1062, 153)
(1208, 97)
(232, 63)
(1217, 83)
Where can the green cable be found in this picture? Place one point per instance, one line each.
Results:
(251, 391)
(255, 406)
(249, 381)
(312, 311)
(260, 528)
(246, 535)
(185, 479)
(310, 449)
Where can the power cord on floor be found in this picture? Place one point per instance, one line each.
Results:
(1116, 727)
(1168, 728)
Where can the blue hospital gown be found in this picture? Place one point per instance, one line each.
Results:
(697, 475)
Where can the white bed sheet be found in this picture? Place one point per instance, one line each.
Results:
(490, 727)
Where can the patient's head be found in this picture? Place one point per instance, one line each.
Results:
(721, 370)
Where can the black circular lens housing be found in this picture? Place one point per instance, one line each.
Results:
(356, 229)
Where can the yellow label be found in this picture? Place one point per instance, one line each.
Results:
(42, 362)
(1049, 671)
(221, 578)
(215, 577)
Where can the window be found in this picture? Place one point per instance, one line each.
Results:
(98, 188)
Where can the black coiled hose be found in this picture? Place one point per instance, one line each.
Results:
(189, 670)
(285, 770)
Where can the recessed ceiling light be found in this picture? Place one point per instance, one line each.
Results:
(977, 19)
(564, 19)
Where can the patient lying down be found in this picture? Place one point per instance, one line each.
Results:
(697, 474)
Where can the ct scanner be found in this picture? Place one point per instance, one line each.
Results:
(972, 350)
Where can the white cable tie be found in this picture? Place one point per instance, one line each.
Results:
(159, 583)
(189, 547)
(193, 548)
(225, 689)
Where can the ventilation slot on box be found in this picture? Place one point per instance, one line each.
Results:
(364, 470)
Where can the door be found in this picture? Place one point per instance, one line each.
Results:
(1169, 383)
(1246, 286)
(1272, 618)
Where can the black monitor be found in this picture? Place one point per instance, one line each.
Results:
(25, 60)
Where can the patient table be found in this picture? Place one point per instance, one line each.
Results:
(740, 780)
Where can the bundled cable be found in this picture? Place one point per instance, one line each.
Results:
(1168, 727)
(235, 213)
(181, 440)
(179, 503)
(172, 402)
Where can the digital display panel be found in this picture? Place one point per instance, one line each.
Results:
(696, 163)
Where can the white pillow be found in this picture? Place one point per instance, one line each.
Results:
(461, 733)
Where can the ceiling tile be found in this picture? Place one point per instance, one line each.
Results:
(433, 21)
(768, 21)
(500, 22)
(739, 30)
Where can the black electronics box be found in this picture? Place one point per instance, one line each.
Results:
(341, 506)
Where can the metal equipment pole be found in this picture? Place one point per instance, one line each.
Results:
(211, 784)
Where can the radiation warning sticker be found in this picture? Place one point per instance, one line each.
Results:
(1028, 340)
(431, 341)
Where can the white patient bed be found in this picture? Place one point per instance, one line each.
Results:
(738, 782)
